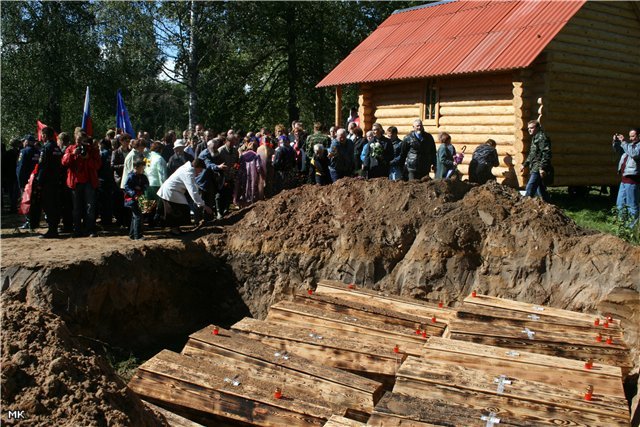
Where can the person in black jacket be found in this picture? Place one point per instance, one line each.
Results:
(484, 158)
(47, 182)
(395, 166)
(377, 154)
(418, 152)
(358, 145)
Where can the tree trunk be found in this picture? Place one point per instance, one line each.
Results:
(292, 59)
(193, 68)
(53, 111)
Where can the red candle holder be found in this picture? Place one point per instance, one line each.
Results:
(277, 393)
(610, 318)
(609, 340)
(424, 334)
(474, 294)
(599, 338)
(310, 291)
(433, 319)
(588, 364)
(396, 349)
(606, 324)
(215, 330)
(418, 329)
(596, 322)
(588, 393)
(440, 304)
(351, 286)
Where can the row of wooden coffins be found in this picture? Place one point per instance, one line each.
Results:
(344, 356)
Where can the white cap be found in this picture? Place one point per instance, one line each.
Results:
(178, 143)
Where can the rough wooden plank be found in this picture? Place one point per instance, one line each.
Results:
(383, 300)
(172, 418)
(534, 309)
(501, 316)
(287, 312)
(587, 338)
(506, 408)
(332, 350)
(556, 371)
(363, 310)
(396, 409)
(571, 351)
(421, 374)
(339, 421)
(183, 381)
(250, 357)
(240, 345)
(527, 358)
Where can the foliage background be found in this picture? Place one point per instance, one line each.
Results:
(236, 64)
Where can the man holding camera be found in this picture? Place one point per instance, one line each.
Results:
(629, 192)
(83, 161)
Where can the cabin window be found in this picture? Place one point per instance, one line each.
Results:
(431, 101)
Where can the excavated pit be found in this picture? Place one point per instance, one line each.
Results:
(433, 240)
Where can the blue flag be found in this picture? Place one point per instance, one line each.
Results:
(122, 117)
(87, 123)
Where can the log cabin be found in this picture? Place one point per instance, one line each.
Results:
(483, 69)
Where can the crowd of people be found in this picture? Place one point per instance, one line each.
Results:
(126, 182)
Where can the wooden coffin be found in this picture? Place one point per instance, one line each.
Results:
(298, 376)
(401, 410)
(568, 344)
(508, 309)
(432, 325)
(327, 349)
(187, 384)
(384, 300)
(555, 371)
(525, 399)
(363, 329)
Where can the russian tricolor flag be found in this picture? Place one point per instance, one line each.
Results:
(87, 123)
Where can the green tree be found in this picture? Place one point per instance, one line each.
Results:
(48, 53)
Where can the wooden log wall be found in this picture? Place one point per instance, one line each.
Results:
(593, 84)
(471, 109)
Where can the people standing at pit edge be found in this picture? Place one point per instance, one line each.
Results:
(484, 158)
(136, 184)
(418, 152)
(538, 162)
(446, 157)
(629, 192)
(83, 161)
(47, 181)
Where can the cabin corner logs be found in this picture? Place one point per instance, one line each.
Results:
(585, 78)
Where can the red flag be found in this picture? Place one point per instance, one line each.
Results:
(41, 126)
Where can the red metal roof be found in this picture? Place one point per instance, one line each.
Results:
(454, 37)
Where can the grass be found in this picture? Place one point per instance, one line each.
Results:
(124, 365)
(593, 210)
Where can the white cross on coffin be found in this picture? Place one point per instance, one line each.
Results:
(501, 381)
(529, 333)
(490, 419)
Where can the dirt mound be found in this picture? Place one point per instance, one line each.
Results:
(50, 376)
(435, 240)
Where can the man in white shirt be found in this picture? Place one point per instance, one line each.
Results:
(174, 191)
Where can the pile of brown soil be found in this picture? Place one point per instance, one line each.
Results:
(54, 379)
